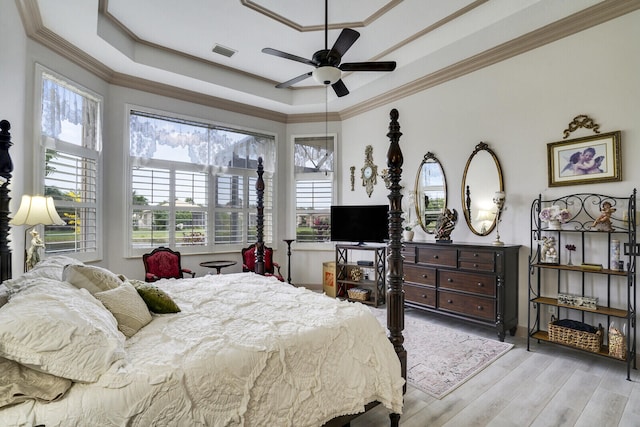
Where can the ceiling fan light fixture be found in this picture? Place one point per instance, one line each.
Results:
(327, 75)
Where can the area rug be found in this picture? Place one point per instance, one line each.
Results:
(441, 359)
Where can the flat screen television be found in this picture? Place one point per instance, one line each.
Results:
(360, 223)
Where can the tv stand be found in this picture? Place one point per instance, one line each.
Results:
(347, 261)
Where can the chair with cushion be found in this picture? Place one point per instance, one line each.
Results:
(163, 263)
(270, 267)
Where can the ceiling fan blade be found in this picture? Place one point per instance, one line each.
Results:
(345, 40)
(340, 88)
(286, 55)
(368, 66)
(294, 80)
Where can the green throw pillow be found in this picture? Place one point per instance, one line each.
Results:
(156, 299)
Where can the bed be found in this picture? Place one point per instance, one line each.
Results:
(80, 344)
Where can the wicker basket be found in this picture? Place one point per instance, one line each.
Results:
(358, 294)
(575, 338)
(617, 346)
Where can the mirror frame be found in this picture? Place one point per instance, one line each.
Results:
(428, 158)
(465, 196)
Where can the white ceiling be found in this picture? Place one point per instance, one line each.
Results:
(171, 41)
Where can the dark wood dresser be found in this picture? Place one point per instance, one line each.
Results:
(475, 282)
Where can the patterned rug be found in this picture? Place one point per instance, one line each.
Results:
(440, 359)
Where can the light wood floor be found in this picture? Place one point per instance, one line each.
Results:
(547, 386)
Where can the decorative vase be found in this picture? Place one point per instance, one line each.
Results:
(570, 263)
(555, 224)
(407, 235)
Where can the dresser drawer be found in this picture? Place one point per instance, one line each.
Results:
(409, 254)
(437, 256)
(420, 295)
(481, 284)
(419, 274)
(477, 260)
(469, 305)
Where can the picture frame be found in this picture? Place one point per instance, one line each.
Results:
(587, 160)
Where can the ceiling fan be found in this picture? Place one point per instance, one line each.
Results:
(328, 69)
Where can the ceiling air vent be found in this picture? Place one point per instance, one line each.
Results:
(224, 51)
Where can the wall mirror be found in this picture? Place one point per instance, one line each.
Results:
(482, 178)
(430, 192)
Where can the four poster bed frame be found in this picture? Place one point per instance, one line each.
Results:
(395, 293)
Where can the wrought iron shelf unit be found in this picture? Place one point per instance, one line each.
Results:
(614, 285)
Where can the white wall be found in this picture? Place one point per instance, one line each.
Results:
(517, 107)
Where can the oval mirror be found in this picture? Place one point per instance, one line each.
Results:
(481, 180)
(430, 192)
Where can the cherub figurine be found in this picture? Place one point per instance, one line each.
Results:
(33, 256)
(548, 252)
(603, 222)
(445, 224)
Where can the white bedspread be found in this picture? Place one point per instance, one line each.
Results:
(245, 351)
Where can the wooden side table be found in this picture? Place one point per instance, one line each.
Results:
(218, 265)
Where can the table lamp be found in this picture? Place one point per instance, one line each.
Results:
(35, 210)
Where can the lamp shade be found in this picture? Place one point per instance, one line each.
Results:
(327, 75)
(36, 210)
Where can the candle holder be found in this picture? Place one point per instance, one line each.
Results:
(288, 242)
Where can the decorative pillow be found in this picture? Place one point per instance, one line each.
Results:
(49, 268)
(60, 330)
(156, 299)
(127, 307)
(92, 278)
(19, 383)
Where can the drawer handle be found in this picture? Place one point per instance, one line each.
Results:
(481, 284)
(424, 276)
(475, 255)
(475, 265)
(450, 301)
(479, 308)
(423, 296)
(435, 257)
(449, 280)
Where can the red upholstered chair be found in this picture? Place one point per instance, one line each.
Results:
(270, 267)
(163, 263)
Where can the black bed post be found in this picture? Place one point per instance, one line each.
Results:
(259, 266)
(6, 167)
(395, 275)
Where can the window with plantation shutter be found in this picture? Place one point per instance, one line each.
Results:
(193, 184)
(313, 169)
(70, 139)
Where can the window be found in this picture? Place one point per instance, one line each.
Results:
(313, 169)
(70, 133)
(193, 184)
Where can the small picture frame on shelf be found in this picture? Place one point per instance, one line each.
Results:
(585, 160)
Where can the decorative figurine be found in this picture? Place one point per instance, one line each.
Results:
(445, 225)
(603, 222)
(33, 256)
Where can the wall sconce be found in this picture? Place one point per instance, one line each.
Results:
(498, 200)
(35, 210)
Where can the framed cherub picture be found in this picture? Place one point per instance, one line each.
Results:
(585, 160)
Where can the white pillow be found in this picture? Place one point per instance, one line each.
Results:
(127, 307)
(50, 268)
(61, 330)
(92, 278)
